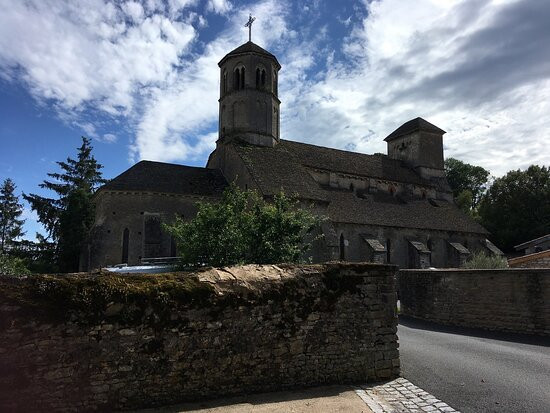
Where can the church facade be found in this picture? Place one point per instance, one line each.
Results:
(395, 208)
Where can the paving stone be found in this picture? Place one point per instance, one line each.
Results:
(401, 396)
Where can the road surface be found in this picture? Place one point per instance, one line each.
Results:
(476, 371)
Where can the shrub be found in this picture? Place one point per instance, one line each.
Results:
(243, 228)
(482, 261)
(12, 266)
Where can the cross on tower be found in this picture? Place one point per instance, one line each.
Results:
(249, 25)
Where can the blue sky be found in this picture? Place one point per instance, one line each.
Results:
(141, 77)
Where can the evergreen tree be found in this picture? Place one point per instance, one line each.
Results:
(68, 217)
(11, 226)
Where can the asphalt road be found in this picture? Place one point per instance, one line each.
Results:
(476, 371)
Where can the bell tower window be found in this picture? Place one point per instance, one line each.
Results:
(242, 78)
(237, 79)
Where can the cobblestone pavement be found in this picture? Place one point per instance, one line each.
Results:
(400, 396)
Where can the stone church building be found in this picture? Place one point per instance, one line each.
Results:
(395, 208)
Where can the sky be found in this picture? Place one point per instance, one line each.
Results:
(141, 78)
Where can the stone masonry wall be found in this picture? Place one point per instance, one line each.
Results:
(88, 342)
(535, 260)
(512, 300)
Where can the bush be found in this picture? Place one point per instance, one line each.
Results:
(243, 228)
(12, 266)
(482, 261)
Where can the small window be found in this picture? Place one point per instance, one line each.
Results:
(242, 78)
(342, 248)
(224, 81)
(258, 78)
(392, 190)
(388, 251)
(430, 244)
(275, 83)
(263, 78)
(125, 245)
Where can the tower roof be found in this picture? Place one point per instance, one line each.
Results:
(247, 48)
(414, 125)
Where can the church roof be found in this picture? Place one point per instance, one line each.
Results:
(385, 210)
(353, 163)
(169, 178)
(246, 48)
(414, 125)
(286, 167)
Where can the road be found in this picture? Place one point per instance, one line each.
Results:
(475, 371)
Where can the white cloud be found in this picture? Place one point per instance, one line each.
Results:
(219, 6)
(455, 63)
(472, 67)
(109, 138)
(77, 53)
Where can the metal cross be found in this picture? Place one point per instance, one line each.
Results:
(249, 25)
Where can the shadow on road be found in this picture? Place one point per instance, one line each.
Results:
(474, 332)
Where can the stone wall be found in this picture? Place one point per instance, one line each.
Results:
(103, 342)
(535, 260)
(512, 300)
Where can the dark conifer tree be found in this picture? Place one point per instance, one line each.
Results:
(11, 224)
(68, 217)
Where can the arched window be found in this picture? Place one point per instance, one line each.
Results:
(224, 87)
(237, 79)
(388, 251)
(257, 78)
(125, 245)
(342, 248)
(263, 78)
(275, 83)
(430, 244)
(242, 78)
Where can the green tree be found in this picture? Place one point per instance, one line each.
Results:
(11, 226)
(467, 182)
(244, 228)
(516, 208)
(68, 217)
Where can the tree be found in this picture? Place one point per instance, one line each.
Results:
(68, 217)
(11, 226)
(516, 208)
(468, 183)
(244, 228)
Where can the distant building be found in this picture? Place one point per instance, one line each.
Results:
(536, 253)
(396, 208)
(535, 245)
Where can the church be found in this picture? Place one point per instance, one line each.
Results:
(396, 208)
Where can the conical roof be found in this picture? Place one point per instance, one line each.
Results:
(247, 48)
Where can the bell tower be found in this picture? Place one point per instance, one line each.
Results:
(249, 106)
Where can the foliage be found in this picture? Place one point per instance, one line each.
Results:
(74, 224)
(517, 207)
(481, 261)
(11, 226)
(244, 228)
(68, 217)
(14, 266)
(468, 183)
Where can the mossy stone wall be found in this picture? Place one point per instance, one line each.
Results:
(88, 342)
